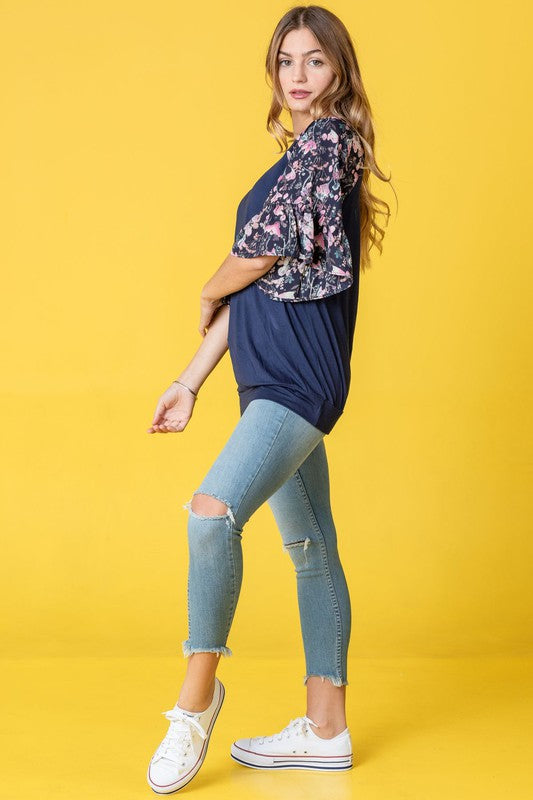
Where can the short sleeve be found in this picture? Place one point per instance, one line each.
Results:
(301, 219)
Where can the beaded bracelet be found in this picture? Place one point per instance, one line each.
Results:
(187, 387)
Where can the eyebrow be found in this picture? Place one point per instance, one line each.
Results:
(282, 52)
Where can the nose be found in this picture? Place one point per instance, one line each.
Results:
(299, 73)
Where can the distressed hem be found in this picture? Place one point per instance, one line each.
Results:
(188, 650)
(334, 680)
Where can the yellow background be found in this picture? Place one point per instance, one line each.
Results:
(130, 132)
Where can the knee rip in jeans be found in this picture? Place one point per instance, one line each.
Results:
(300, 543)
(228, 513)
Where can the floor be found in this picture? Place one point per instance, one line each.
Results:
(84, 728)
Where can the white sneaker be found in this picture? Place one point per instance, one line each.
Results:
(181, 753)
(296, 747)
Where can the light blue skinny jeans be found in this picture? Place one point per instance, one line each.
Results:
(273, 455)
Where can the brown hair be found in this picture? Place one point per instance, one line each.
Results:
(345, 98)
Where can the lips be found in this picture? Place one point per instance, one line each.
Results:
(299, 93)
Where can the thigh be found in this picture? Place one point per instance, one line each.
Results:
(265, 448)
(302, 506)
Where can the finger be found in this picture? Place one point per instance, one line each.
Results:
(177, 425)
(160, 410)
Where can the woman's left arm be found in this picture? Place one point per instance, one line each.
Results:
(234, 273)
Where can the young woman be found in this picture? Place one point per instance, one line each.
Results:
(284, 303)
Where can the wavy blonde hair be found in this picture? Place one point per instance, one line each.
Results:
(345, 98)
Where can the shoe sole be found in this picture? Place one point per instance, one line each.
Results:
(314, 763)
(187, 778)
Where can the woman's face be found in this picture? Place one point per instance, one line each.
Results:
(303, 70)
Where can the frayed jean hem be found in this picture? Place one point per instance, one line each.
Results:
(188, 650)
(333, 678)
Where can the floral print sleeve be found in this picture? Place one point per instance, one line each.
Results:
(301, 219)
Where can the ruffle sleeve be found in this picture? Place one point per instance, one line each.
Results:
(301, 219)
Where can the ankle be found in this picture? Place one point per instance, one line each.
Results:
(195, 697)
(327, 730)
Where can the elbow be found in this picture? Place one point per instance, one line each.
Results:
(259, 264)
(266, 263)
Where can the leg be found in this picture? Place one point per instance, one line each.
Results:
(266, 447)
(303, 514)
(198, 686)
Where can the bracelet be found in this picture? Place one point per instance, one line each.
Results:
(187, 387)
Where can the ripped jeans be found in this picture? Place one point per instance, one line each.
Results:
(273, 455)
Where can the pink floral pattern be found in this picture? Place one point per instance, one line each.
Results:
(301, 219)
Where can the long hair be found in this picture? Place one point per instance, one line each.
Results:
(345, 98)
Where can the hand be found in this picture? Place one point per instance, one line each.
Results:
(174, 410)
(207, 312)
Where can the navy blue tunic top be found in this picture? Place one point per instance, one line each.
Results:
(296, 353)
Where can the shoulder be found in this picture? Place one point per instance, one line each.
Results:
(325, 125)
(331, 139)
(332, 133)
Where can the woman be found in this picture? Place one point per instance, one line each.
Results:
(284, 303)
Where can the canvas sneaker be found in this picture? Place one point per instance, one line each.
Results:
(297, 746)
(181, 753)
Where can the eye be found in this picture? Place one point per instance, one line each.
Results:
(287, 61)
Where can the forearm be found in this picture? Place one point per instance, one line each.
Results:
(213, 346)
(235, 273)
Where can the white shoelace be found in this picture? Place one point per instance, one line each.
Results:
(178, 739)
(298, 725)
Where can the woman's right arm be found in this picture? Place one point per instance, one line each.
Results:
(175, 406)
